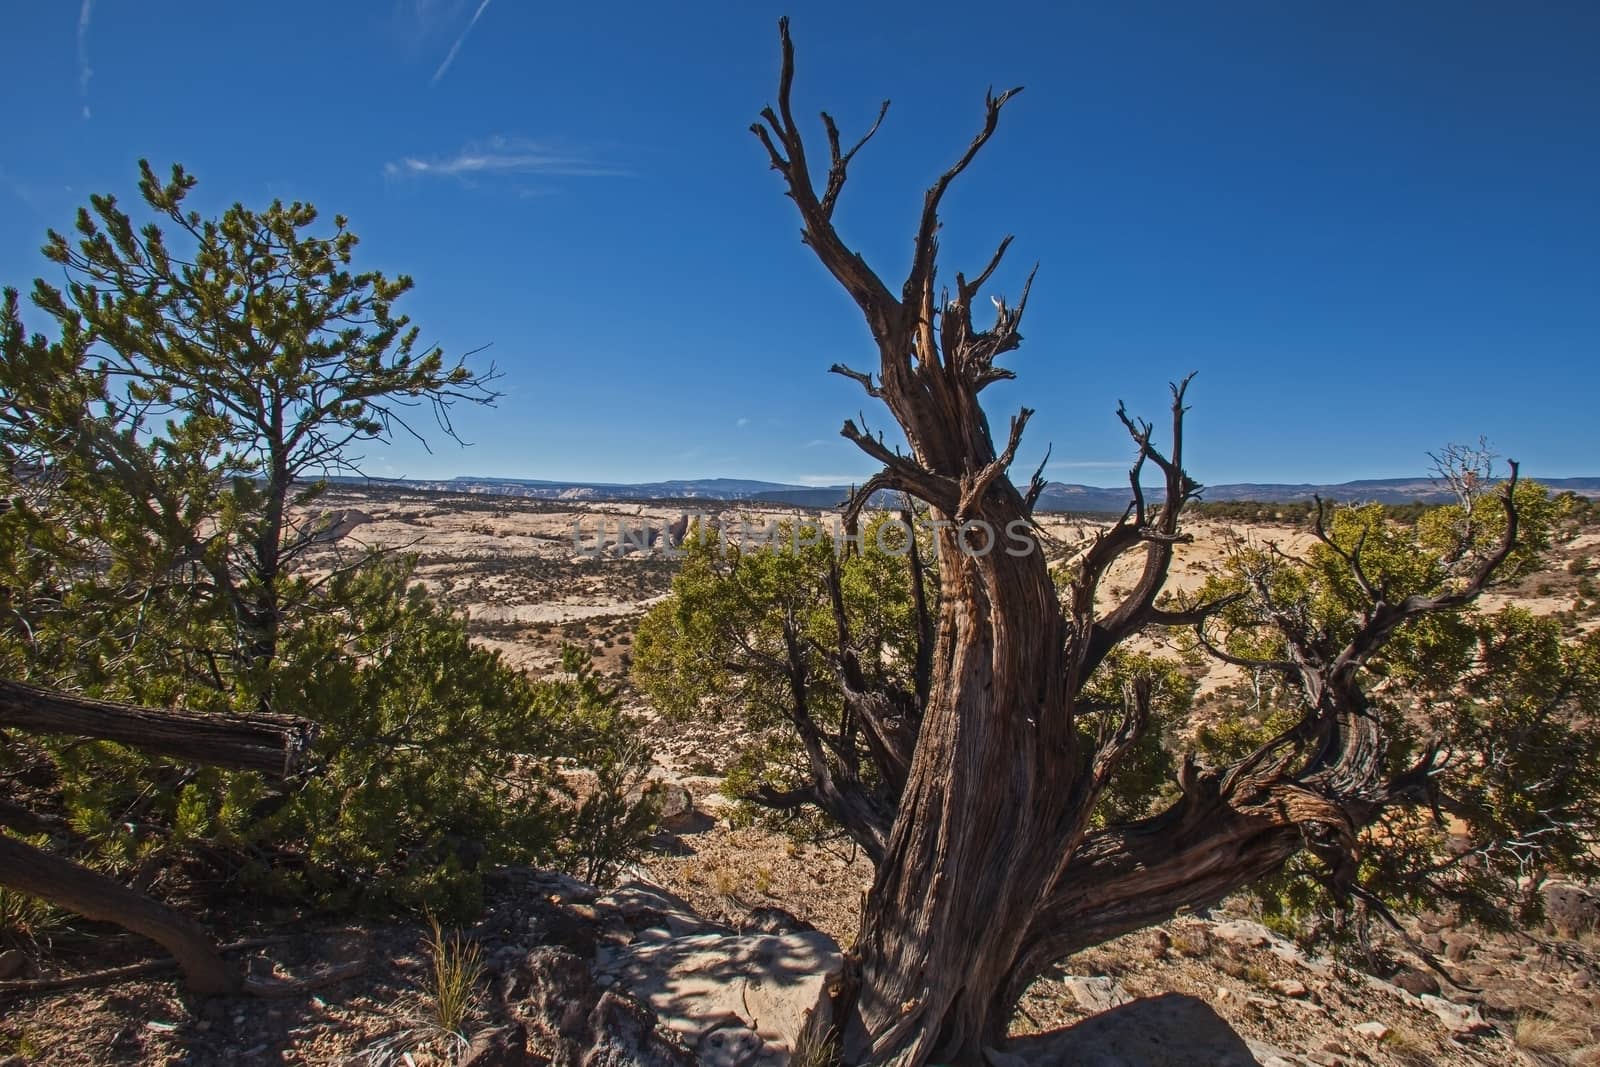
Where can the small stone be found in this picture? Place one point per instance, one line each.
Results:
(1160, 942)
(1229, 998)
(1458, 946)
(1581, 980)
(1290, 987)
(1373, 1030)
(1244, 932)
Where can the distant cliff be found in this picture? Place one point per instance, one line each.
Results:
(1058, 496)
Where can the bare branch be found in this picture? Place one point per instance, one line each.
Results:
(966, 292)
(919, 281)
(862, 377)
(972, 489)
(1037, 483)
(841, 162)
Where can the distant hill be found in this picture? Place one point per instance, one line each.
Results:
(1057, 496)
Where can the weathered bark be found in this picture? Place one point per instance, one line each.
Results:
(271, 744)
(988, 873)
(976, 841)
(27, 869)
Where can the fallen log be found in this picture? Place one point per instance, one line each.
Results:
(272, 744)
(94, 896)
(268, 988)
(57, 982)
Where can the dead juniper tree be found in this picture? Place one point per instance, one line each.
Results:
(973, 796)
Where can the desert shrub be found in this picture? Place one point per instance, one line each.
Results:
(435, 760)
(1147, 771)
(163, 457)
(604, 828)
(1504, 695)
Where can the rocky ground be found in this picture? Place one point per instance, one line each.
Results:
(1216, 988)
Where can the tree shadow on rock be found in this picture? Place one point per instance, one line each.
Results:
(1172, 1030)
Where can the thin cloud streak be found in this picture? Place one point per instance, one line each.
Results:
(455, 49)
(85, 72)
(502, 156)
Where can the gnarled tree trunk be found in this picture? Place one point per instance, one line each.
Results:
(987, 872)
(977, 838)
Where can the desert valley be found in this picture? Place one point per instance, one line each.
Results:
(528, 576)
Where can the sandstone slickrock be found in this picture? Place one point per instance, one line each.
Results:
(769, 983)
(622, 1034)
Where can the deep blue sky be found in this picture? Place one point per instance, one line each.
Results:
(1371, 228)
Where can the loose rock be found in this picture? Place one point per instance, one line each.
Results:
(1458, 1018)
(1373, 1031)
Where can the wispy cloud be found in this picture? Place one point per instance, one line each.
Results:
(85, 72)
(742, 421)
(455, 49)
(502, 156)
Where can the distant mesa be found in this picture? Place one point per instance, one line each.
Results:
(1057, 496)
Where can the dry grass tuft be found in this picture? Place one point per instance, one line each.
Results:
(816, 1053)
(455, 966)
(1191, 941)
(1409, 1047)
(1545, 1036)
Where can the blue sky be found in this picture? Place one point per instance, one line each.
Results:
(1371, 228)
